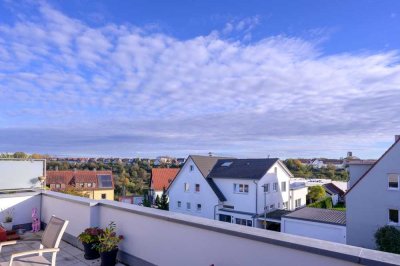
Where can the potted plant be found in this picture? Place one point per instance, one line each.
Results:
(108, 245)
(89, 238)
(8, 219)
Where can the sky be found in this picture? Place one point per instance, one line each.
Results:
(288, 79)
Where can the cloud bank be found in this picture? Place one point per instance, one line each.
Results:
(70, 88)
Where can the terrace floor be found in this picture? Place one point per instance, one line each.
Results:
(68, 255)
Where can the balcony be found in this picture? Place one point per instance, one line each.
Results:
(156, 237)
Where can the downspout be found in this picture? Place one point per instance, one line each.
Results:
(254, 218)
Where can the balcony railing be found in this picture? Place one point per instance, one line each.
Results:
(156, 237)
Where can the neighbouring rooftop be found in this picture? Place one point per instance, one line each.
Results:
(319, 215)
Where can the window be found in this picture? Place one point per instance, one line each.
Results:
(93, 184)
(393, 216)
(186, 187)
(283, 186)
(285, 205)
(199, 207)
(279, 205)
(179, 203)
(191, 168)
(58, 185)
(103, 196)
(266, 188)
(297, 203)
(82, 184)
(241, 188)
(89, 184)
(275, 186)
(188, 205)
(197, 187)
(244, 222)
(394, 181)
(272, 206)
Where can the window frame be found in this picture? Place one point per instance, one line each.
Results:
(283, 186)
(241, 188)
(197, 207)
(398, 183)
(197, 188)
(186, 187)
(398, 217)
(179, 204)
(191, 168)
(188, 206)
(266, 188)
(275, 186)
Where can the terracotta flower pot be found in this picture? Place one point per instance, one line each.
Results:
(109, 258)
(90, 252)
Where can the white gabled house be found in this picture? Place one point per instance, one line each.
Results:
(373, 200)
(238, 191)
(191, 192)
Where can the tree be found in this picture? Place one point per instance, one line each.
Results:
(164, 204)
(157, 201)
(146, 202)
(387, 239)
(316, 193)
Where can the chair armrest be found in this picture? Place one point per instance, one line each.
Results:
(30, 252)
(7, 243)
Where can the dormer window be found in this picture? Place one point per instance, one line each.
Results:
(393, 182)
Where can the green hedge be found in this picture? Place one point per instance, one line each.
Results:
(387, 239)
(325, 203)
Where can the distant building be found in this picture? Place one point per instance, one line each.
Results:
(96, 184)
(373, 199)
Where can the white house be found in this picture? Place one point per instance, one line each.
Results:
(234, 190)
(191, 192)
(373, 201)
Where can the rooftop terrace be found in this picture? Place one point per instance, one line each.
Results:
(156, 237)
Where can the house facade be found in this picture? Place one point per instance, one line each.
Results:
(373, 201)
(234, 190)
(253, 187)
(93, 184)
(191, 193)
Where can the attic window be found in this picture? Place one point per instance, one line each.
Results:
(226, 164)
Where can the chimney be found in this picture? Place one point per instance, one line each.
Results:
(396, 138)
(349, 154)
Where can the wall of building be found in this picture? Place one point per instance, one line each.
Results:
(356, 171)
(206, 197)
(96, 194)
(21, 205)
(323, 231)
(368, 203)
(295, 194)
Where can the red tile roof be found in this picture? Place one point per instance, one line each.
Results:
(72, 177)
(162, 177)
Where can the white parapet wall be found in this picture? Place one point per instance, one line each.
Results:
(156, 237)
(20, 205)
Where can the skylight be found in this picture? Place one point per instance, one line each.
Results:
(226, 164)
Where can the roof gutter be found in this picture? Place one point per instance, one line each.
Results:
(256, 212)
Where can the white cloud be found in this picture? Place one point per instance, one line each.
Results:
(119, 88)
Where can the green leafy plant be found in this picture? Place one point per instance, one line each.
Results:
(387, 239)
(109, 239)
(325, 203)
(90, 235)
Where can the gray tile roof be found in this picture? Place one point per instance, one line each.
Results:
(205, 163)
(242, 168)
(216, 190)
(333, 189)
(319, 215)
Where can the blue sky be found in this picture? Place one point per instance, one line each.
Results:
(239, 78)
